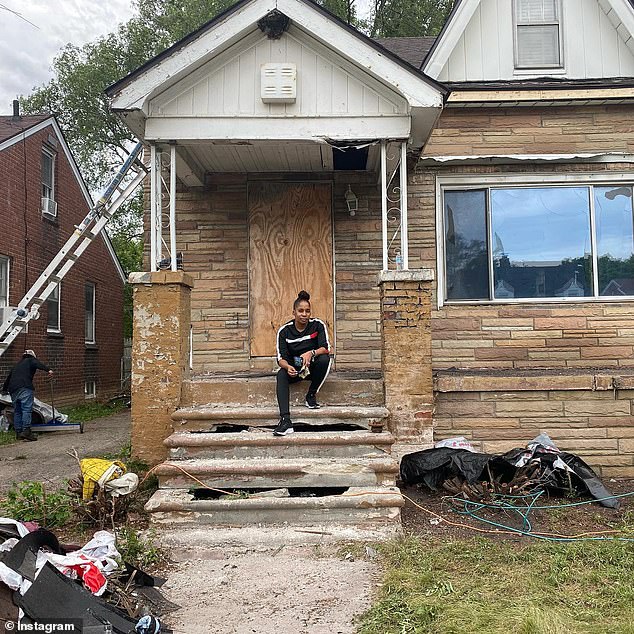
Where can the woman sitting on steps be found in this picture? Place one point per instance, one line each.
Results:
(303, 352)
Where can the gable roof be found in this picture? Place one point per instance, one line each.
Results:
(412, 50)
(15, 129)
(463, 10)
(279, 5)
(10, 126)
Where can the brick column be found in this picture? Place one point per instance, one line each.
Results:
(160, 357)
(406, 358)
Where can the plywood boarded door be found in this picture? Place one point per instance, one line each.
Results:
(290, 249)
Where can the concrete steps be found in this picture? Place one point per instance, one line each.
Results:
(332, 472)
(273, 473)
(364, 508)
(258, 389)
(208, 418)
(245, 444)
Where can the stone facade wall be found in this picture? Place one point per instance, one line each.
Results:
(526, 130)
(212, 233)
(502, 407)
(596, 424)
(531, 335)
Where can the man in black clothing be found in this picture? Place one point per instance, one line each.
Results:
(302, 353)
(19, 384)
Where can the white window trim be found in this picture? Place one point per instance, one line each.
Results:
(57, 330)
(94, 314)
(7, 259)
(551, 68)
(475, 181)
(52, 155)
(87, 394)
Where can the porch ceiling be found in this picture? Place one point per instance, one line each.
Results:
(250, 157)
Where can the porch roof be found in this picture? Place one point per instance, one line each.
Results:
(171, 98)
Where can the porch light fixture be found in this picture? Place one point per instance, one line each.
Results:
(352, 201)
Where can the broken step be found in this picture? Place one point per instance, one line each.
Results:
(271, 473)
(363, 506)
(202, 418)
(261, 444)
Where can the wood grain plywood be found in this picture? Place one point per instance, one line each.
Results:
(290, 249)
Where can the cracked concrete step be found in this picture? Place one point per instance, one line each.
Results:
(363, 507)
(206, 418)
(260, 444)
(271, 473)
(340, 389)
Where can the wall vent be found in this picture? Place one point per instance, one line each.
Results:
(279, 83)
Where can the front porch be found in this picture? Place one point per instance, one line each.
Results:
(278, 145)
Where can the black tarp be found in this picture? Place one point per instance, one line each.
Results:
(432, 467)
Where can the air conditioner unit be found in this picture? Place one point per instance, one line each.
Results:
(49, 207)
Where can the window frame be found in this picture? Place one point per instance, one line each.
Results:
(520, 180)
(49, 329)
(88, 394)
(52, 155)
(6, 260)
(559, 67)
(94, 313)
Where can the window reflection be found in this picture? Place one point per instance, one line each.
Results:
(467, 269)
(541, 242)
(615, 240)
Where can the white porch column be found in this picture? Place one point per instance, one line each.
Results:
(384, 202)
(403, 192)
(173, 262)
(153, 196)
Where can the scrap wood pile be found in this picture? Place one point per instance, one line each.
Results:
(453, 465)
(43, 579)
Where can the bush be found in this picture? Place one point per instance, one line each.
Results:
(29, 501)
(142, 552)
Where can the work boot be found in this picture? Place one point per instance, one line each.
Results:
(284, 427)
(28, 435)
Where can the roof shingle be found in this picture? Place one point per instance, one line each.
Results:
(10, 126)
(410, 49)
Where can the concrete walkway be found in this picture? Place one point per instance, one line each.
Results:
(47, 459)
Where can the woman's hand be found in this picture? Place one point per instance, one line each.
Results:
(307, 357)
(291, 370)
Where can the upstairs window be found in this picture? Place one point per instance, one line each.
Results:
(49, 206)
(538, 34)
(90, 313)
(4, 281)
(53, 305)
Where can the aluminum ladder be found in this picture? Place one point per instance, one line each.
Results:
(90, 227)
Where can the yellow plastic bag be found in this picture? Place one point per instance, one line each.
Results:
(99, 471)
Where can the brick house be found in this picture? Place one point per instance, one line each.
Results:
(42, 197)
(464, 202)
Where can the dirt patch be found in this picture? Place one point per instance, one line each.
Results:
(561, 520)
(300, 589)
(47, 459)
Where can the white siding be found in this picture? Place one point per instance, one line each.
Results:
(593, 47)
(326, 85)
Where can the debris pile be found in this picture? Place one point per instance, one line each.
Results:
(453, 465)
(43, 579)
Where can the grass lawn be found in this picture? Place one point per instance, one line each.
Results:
(88, 411)
(7, 438)
(482, 585)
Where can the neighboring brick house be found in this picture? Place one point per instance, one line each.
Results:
(42, 198)
(494, 164)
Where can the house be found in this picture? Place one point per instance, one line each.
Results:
(42, 197)
(461, 209)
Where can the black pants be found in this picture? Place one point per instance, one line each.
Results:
(319, 369)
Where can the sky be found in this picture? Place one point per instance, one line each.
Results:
(27, 52)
